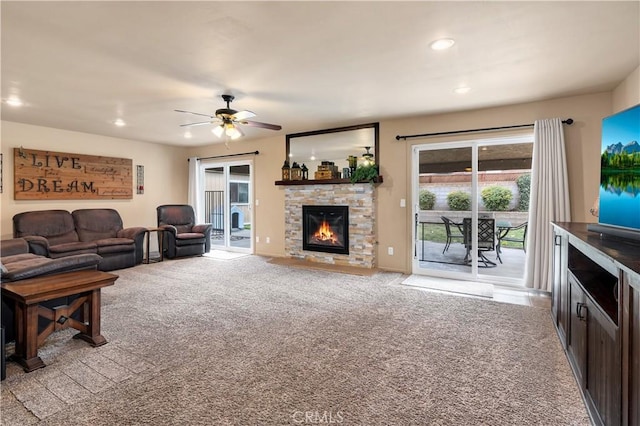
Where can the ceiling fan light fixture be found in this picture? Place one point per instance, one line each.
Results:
(218, 130)
(233, 132)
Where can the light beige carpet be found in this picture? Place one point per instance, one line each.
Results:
(246, 342)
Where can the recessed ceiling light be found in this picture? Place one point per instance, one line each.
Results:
(120, 122)
(442, 44)
(187, 134)
(462, 90)
(14, 101)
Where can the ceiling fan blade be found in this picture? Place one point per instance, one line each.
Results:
(242, 115)
(195, 113)
(261, 125)
(199, 123)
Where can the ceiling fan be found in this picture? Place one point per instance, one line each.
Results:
(227, 120)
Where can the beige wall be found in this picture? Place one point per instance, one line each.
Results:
(394, 222)
(165, 167)
(269, 208)
(627, 94)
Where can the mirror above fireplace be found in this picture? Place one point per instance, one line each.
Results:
(335, 145)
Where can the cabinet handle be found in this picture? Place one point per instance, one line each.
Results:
(579, 314)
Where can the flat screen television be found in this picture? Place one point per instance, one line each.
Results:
(619, 206)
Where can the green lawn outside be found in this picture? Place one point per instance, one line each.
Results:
(436, 232)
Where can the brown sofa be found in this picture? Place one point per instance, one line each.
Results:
(58, 233)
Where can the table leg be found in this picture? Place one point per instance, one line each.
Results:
(93, 336)
(26, 353)
(147, 237)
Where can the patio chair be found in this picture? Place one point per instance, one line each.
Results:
(454, 232)
(486, 240)
(514, 239)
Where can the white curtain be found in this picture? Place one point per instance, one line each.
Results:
(194, 195)
(549, 200)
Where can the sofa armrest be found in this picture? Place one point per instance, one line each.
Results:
(38, 245)
(169, 228)
(131, 233)
(204, 228)
(13, 246)
(135, 233)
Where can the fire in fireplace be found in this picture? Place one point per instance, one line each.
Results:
(325, 229)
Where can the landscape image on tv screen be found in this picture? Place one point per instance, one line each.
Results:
(620, 170)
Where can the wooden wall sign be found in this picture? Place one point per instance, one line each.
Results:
(48, 175)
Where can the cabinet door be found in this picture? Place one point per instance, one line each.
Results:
(631, 359)
(559, 290)
(577, 338)
(604, 377)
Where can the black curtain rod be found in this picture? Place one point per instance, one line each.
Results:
(454, 132)
(228, 155)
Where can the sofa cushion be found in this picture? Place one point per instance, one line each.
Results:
(55, 225)
(115, 245)
(72, 248)
(20, 261)
(189, 238)
(28, 265)
(97, 224)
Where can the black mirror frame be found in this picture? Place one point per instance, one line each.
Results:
(374, 126)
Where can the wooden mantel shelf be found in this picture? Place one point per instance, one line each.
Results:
(322, 181)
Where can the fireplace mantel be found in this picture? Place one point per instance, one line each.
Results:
(323, 181)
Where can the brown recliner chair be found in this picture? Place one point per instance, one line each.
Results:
(182, 236)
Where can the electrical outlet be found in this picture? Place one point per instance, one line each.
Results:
(257, 202)
(268, 240)
(257, 239)
(403, 202)
(390, 251)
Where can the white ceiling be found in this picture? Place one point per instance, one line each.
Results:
(303, 65)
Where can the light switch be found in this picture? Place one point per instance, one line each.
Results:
(403, 202)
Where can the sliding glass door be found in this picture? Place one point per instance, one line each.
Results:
(470, 209)
(228, 204)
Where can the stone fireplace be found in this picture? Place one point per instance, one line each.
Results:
(351, 206)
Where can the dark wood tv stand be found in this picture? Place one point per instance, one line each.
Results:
(596, 310)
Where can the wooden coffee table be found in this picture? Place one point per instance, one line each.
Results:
(29, 293)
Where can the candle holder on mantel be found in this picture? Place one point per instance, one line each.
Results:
(296, 171)
(305, 172)
(286, 171)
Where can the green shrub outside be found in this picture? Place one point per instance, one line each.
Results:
(427, 200)
(524, 188)
(459, 200)
(496, 198)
